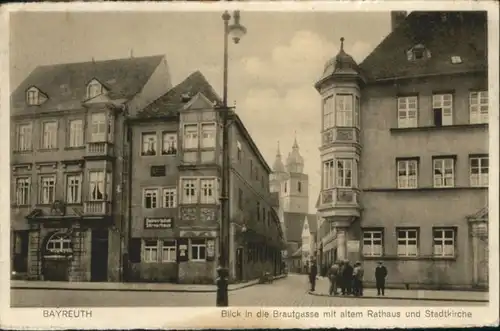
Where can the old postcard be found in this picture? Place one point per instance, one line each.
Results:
(272, 165)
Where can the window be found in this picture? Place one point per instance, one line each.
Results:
(189, 189)
(407, 174)
(444, 172)
(344, 109)
(208, 135)
(96, 185)
(24, 138)
(98, 127)
(198, 250)
(442, 105)
(190, 136)
(479, 171)
(74, 188)
(478, 107)
(75, 133)
(443, 242)
(23, 185)
(169, 146)
(328, 174)
(149, 144)
(93, 89)
(418, 52)
(407, 242)
(169, 197)
(372, 243)
(299, 187)
(456, 59)
(207, 190)
(47, 189)
(59, 243)
(150, 251)
(407, 112)
(33, 97)
(344, 173)
(328, 112)
(150, 198)
(169, 251)
(49, 137)
(357, 113)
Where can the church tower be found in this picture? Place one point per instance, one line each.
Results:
(296, 187)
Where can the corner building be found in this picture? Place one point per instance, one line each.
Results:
(175, 160)
(67, 131)
(405, 153)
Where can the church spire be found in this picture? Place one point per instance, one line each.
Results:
(278, 165)
(295, 162)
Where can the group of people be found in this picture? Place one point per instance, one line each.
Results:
(348, 278)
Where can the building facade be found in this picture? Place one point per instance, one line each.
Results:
(405, 153)
(175, 165)
(67, 131)
(292, 186)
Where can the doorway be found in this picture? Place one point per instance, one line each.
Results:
(99, 256)
(239, 263)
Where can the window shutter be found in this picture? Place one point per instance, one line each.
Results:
(135, 250)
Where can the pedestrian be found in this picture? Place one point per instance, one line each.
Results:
(380, 275)
(347, 275)
(340, 278)
(313, 272)
(333, 275)
(358, 279)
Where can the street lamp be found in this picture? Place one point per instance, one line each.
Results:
(236, 30)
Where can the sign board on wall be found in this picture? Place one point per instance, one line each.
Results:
(158, 222)
(353, 246)
(158, 171)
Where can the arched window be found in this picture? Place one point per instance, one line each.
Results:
(59, 243)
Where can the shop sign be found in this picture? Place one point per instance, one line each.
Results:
(182, 249)
(210, 249)
(353, 246)
(158, 222)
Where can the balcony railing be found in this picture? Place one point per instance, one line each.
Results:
(96, 208)
(340, 134)
(339, 197)
(99, 149)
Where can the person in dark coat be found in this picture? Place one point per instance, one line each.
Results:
(340, 277)
(313, 272)
(347, 278)
(357, 275)
(380, 275)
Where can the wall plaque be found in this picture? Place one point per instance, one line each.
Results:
(353, 246)
(158, 223)
(158, 171)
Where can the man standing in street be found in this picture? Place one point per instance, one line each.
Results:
(313, 272)
(347, 278)
(380, 275)
(333, 276)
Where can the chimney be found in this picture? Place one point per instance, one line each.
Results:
(397, 17)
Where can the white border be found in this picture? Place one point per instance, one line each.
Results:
(183, 318)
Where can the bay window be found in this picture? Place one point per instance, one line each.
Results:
(208, 134)
(98, 127)
(328, 113)
(344, 173)
(344, 109)
(328, 174)
(190, 139)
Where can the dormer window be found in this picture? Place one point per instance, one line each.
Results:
(94, 88)
(456, 59)
(33, 96)
(417, 53)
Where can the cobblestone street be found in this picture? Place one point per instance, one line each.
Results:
(290, 291)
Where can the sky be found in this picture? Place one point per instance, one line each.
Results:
(272, 70)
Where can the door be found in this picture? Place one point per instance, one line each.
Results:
(482, 263)
(21, 247)
(239, 263)
(99, 256)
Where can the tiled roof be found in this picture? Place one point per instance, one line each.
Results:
(444, 34)
(171, 102)
(66, 84)
(294, 222)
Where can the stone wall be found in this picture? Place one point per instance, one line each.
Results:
(197, 272)
(154, 272)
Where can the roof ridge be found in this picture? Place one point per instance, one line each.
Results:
(99, 61)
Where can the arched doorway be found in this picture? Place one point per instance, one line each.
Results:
(57, 257)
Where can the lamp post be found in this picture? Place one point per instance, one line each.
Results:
(236, 30)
